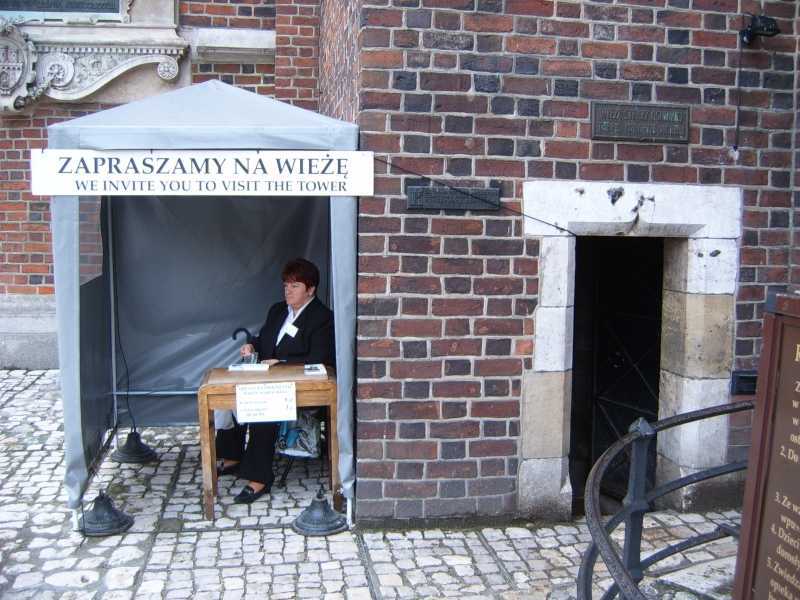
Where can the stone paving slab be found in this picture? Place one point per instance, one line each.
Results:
(709, 580)
(249, 551)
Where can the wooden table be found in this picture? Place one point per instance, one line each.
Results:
(218, 391)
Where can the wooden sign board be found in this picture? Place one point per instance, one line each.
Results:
(768, 563)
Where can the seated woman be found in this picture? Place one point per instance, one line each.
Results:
(297, 331)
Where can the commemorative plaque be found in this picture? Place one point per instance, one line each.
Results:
(640, 122)
(59, 9)
(64, 6)
(768, 563)
(444, 198)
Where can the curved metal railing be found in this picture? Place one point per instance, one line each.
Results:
(628, 570)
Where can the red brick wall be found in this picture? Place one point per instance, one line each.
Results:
(258, 78)
(796, 217)
(26, 256)
(297, 52)
(247, 14)
(233, 14)
(492, 93)
(339, 59)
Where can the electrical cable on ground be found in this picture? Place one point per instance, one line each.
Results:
(119, 339)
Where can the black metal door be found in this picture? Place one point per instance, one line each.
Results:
(625, 278)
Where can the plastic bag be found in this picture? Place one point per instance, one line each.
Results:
(224, 419)
(301, 437)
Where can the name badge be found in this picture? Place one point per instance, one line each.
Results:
(291, 330)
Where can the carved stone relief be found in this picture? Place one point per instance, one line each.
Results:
(70, 71)
(17, 63)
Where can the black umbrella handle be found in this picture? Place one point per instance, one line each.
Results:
(246, 332)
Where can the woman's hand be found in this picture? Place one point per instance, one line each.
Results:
(246, 350)
(270, 361)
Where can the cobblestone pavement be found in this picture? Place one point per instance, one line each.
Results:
(249, 551)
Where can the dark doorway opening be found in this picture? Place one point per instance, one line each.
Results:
(616, 351)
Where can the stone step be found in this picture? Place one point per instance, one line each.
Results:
(709, 580)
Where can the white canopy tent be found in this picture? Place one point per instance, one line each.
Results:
(177, 260)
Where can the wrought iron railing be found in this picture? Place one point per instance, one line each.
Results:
(628, 569)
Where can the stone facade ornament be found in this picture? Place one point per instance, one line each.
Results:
(17, 64)
(68, 70)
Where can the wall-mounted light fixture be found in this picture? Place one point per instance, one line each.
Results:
(760, 25)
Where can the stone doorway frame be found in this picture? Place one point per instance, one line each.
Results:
(702, 227)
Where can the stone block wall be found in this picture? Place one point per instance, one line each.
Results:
(494, 93)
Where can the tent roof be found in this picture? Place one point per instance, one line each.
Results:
(206, 115)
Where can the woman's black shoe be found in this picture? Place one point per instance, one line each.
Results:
(224, 469)
(248, 495)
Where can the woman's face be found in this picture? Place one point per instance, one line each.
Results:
(297, 294)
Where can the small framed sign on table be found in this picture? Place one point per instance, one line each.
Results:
(266, 402)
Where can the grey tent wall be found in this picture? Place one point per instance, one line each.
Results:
(344, 257)
(344, 214)
(65, 229)
(188, 272)
(97, 400)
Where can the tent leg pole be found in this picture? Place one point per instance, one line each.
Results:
(112, 316)
(75, 520)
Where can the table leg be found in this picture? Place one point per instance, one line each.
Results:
(333, 450)
(212, 450)
(207, 455)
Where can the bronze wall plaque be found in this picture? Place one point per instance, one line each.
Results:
(444, 198)
(640, 122)
(768, 564)
(61, 6)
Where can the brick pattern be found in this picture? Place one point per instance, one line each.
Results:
(339, 59)
(91, 238)
(795, 260)
(493, 92)
(233, 14)
(236, 14)
(258, 78)
(297, 52)
(26, 256)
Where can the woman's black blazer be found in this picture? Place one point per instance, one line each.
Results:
(313, 343)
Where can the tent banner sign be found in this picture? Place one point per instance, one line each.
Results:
(201, 173)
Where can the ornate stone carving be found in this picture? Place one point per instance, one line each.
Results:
(57, 68)
(167, 69)
(67, 71)
(17, 63)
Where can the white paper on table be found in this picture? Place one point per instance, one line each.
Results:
(317, 369)
(266, 402)
(240, 366)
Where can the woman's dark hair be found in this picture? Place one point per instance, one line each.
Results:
(302, 270)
